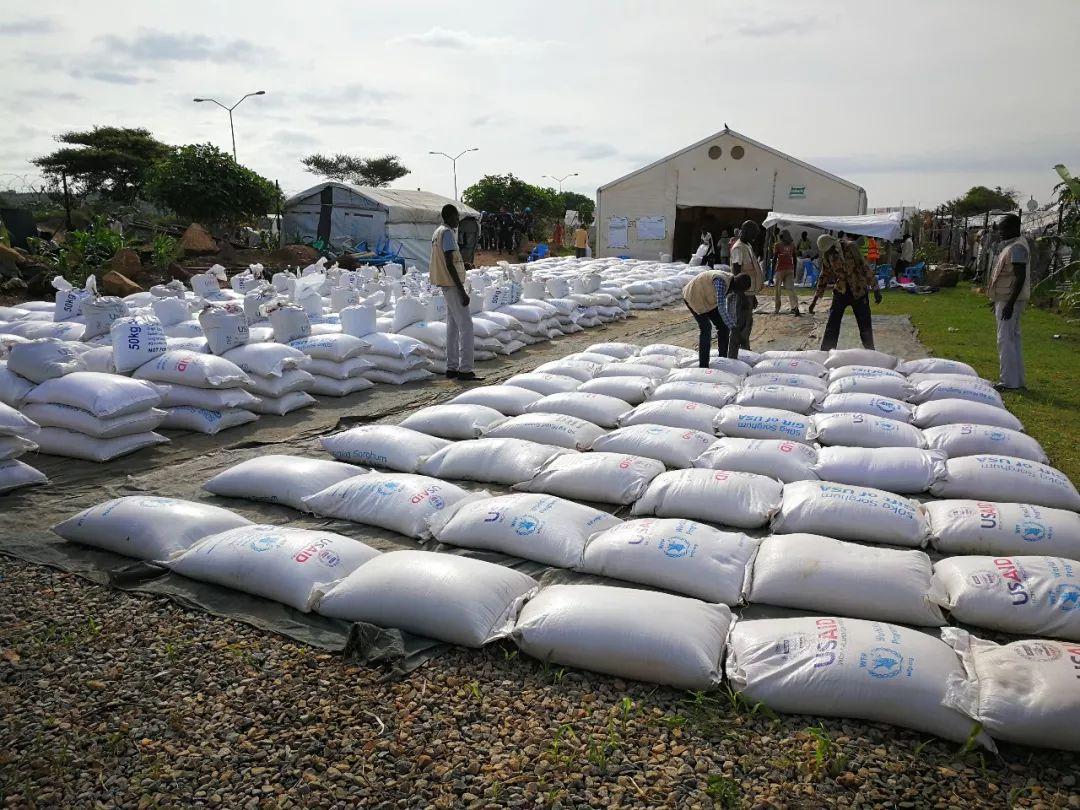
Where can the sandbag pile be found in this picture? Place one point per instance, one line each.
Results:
(17, 434)
(95, 416)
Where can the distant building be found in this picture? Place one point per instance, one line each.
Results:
(715, 184)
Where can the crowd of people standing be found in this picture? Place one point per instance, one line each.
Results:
(502, 231)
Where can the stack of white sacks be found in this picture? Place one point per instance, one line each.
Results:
(17, 434)
(849, 463)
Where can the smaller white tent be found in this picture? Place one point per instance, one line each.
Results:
(335, 212)
(889, 227)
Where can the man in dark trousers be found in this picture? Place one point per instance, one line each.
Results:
(843, 268)
(712, 298)
(505, 223)
(468, 237)
(447, 272)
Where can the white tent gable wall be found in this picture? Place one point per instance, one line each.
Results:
(370, 214)
(762, 179)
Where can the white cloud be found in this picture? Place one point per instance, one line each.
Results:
(625, 84)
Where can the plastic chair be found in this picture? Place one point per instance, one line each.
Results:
(538, 252)
(884, 273)
(915, 271)
(811, 273)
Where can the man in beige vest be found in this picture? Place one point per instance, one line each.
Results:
(447, 272)
(1009, 290)
(711, 298)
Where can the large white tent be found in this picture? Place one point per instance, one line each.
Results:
(889, 227)
(712, 185)
(335, 212)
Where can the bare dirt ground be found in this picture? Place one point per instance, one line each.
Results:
(117, 700)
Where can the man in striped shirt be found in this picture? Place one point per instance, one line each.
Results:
(712, 298)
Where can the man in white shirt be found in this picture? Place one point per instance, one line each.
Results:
(1009, 290)
(743, 260)
(447, 272)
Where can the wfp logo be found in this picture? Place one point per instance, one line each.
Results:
(526, 525)
(888, 425)
(996, 436)
(261, 544)
(387, 488)
(1066, 597)
(1032, 532)
(885, 406)
(884, 663)
(675, 547)
(329, 558)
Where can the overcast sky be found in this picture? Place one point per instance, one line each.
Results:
(915, 101)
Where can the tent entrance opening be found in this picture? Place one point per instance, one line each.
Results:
(691, 220)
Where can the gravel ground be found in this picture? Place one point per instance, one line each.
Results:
(116, 700)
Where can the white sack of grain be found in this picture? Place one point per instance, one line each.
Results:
(827, 576)
(850, 668)
(628, 633)
(1024, 692)
(287, 565)
(446, 597)
(147, 528)
(674, 554)
(531, 526)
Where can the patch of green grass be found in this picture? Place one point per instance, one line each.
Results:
(723, 790)
(957, 323)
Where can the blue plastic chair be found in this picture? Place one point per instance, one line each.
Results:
(538, 252)
(884, 273)
(811, 273)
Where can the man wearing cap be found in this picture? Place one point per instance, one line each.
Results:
(843, 268)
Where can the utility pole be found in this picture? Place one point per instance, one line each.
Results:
(229, 110)
(453, 161)
(67, 201)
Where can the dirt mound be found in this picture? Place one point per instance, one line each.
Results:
(126, 263)
(300, 255)
(113, 283)
(196, 241)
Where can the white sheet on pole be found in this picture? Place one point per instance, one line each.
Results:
(888, 226)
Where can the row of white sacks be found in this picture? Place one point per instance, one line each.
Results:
(828, 665)
(584, 625)
(278, 343)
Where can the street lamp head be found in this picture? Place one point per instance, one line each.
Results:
(198, 100)
(575, 174)
(474, 149)
(260, 93)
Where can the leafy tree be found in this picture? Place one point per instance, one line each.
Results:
(982, 200)
(203, 184)
(493, 191)
(377, 171)
(585, 206)
(111, 161)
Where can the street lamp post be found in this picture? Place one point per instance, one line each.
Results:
(453, 160)
(229, 110)
(559, 180)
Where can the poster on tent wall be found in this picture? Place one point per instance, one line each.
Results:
(651, 228)
(617, 231)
